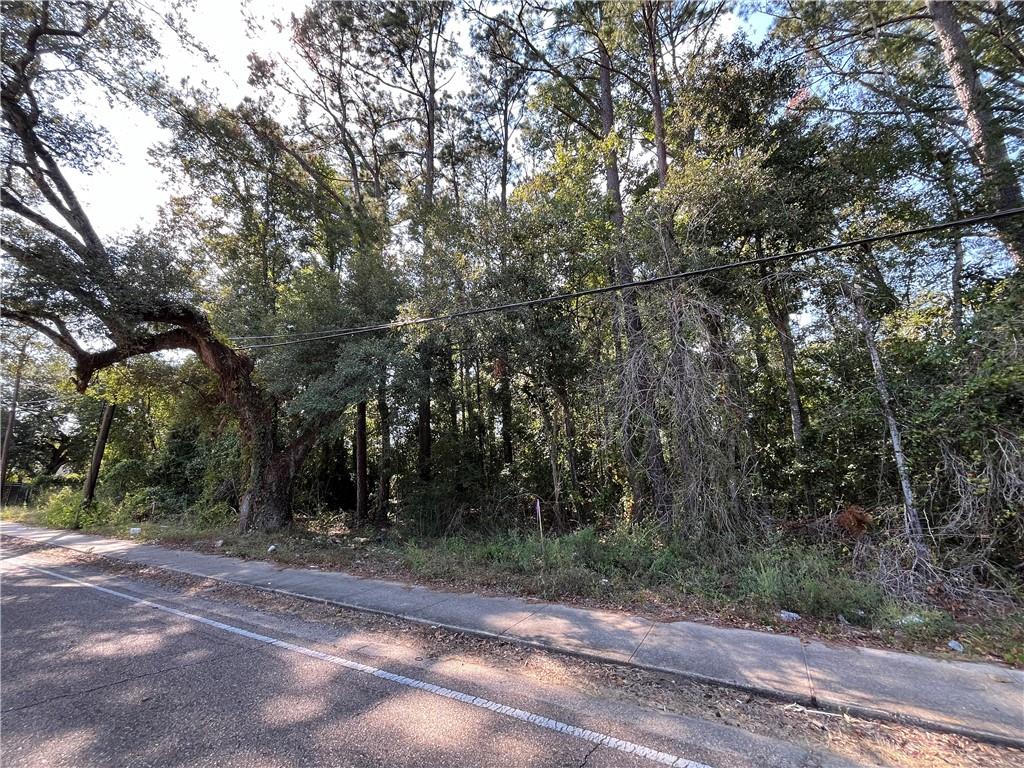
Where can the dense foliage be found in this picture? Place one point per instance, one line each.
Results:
(405, 160)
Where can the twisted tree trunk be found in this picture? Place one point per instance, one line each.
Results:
(68, 251)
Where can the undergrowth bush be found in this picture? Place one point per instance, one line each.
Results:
(61, 506)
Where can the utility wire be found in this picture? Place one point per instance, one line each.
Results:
(802, 254)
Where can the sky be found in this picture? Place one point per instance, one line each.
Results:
(221, 26)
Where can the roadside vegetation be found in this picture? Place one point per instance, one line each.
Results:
(834, 432)
(626, 569)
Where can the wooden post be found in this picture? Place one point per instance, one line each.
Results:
(11, 415)
(97, 456)
(540, 527)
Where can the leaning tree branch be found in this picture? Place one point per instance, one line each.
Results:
(10, 202)
(57, 333)
(88, 363)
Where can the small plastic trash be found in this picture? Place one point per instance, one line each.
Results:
(134, 531)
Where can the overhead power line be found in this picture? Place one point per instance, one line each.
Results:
(337, 333)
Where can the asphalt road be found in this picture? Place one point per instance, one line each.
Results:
(99, 678)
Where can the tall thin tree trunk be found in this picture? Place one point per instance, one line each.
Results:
(643, 440)
(480, 416)
(505, 136)
(12, 415)
(505, 398)
(571, 449)
(362, 477)
(423, 415)
(384, 470)
(956, 302)
(424, 432)
(556, 474)
(911, 518)
(97, 456)
(649, 11)
(778, 313)
(451, 372)
(1003, 186)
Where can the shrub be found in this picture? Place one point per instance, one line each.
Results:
(120, 479)
(571, 580)
(64, 506)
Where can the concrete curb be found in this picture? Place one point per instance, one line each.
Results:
(819, 702)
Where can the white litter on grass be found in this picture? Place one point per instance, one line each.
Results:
(584, 734)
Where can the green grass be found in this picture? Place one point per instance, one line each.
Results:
(1001, 637)
(623, 563)
(21, 514)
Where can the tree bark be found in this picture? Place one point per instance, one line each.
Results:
(423, 415)
(778, 313)
(1003, 186)
(505, 137)
(649, 12)
(266, 501)
(643, 441)
(956, 301)
(12, 414)
(911, 519)
(97, 456)
(571, 450)
(556, 474)
(384, 469)
(362, 478)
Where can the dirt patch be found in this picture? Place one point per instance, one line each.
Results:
(855, 738)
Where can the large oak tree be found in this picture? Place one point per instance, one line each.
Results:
(103, 302)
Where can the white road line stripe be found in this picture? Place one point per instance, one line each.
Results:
(594, 737)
